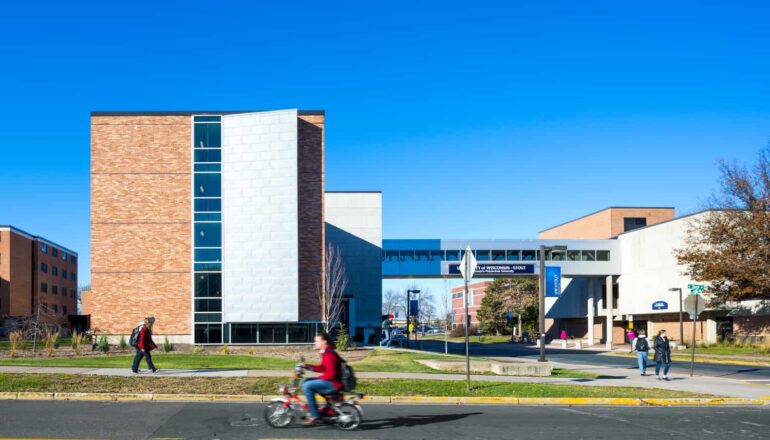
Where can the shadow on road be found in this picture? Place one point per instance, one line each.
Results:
(408, 421)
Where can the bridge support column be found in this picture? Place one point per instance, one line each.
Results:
(610, 304)
(590, 311)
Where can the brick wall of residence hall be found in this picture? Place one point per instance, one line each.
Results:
(20, 300)
(595, 226)
(141, 223)
(653, 216)
(60, 298)
(310, 202)
(458, 305)
(5, 272)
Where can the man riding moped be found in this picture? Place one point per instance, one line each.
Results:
(330, 380)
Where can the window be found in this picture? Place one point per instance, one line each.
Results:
(63, 310)
(63, 255)
(63, 291)
(208, 135)
(54, 289)
(513, 255)
(54, 252)
(589, 255)
(573, 256)
(43, 248)
(434, 256)
(73, 260)
(602, 255)
(55, 308)
(64, 273)
(208, 235)
(208, 305)
(208, 284)
(471, 293)
(453, 255)
(44, 267)
(208, 333)
(528, 255)
(498, 255)
(208, 184)
(631, 223)
(272, 333)
(208, 217)
(54, 271)
(301, 333)
(391, 255)
(205, 156)
(214, 255)
(73, 276)
(555, 255)
(421, 255)
(482, 255)
(208, 205)
(244, 333)
(44, 287)
(74, 293)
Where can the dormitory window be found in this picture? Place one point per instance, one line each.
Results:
(43, 248)
(54, 290)
(54, 252)
(72, 276)
(44, 287)
(54, 271)
(64, 273)
(63, 291)
(44, 267)
(72, 259)
(63, 255)
(55, 308)
(631, 223)
(63, 310)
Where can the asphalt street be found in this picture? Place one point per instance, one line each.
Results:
(585, 357)
(155, 420)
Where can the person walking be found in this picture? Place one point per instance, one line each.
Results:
(387, 327)
(662, 355)
(641, 346)
(145, 345)
(630, 335)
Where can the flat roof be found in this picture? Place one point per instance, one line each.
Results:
(191, 112)
(37, 237)
(602, 210)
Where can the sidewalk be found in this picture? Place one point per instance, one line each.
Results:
(625, 377)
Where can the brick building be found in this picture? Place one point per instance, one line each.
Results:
(37, 275)
(476, 293)
(214, 222)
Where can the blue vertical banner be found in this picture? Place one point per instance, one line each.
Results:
(414, 307)
(553, 281)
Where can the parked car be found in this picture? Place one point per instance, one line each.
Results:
(398, 340)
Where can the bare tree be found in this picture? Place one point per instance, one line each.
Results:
(427, 304)
(332, 289)
(392, 302)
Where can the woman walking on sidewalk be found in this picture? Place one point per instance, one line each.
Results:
(662, 355)
(145, 345)
(641, 346)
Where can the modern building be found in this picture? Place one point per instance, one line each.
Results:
(37, 277)
(636, 263)
(216, 222)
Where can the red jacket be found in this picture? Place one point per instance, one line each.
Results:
(145, 341)
(330, 368)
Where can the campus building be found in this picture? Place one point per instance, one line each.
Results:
(476, 292)
(619, 271)
(37, 277)
(216, 222)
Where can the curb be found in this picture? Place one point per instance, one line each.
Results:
(512, 401)
(682, 357)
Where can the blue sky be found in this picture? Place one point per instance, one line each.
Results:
(475, 119)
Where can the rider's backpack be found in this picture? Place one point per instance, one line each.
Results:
(348, 377)
(642, 345)
(134, 339)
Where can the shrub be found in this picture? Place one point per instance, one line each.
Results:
(343, 339)
(197, 349)
(14, 340)
(77, 341)
(251, 350)
(167, 346)
(122, 344)
(103, 344)
(51, 341)
(224, 349)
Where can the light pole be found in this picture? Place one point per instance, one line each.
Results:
(681, 317)
(409, 292)
(543, 250)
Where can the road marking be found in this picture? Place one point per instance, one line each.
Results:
(751, 423)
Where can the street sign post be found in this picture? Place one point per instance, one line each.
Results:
(467, 268)
(694, 305)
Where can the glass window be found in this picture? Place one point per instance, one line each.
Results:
(391, 255)
(208, 156)
(55, 308)
(556, 255)
(63, 255)
(208, 205)
(498, 255)
(43, 248)
(64, 274)
(243, 333)
(63, 310)
(54, 290)
(207, 118)
(208, 305)
(602, 255)
(208, 235)
(208, 185)
(208, 317)
(63, 291)
(208, 167)
(272, 333)
(44, 267)
(73, 260)
(631, 223)
(573, 255)
(208, 333)
(528, 255)
(421, 255)
(208, 267)
(54, 252)
(406, 255)
(301, 333)
(208, 284)
(453, 255)
(214, 255)
(44, 287)
(482, 255)
(513, 255)
(73, 276)
(208, 135)
(589, 255)
(54, 271)
(436, 255)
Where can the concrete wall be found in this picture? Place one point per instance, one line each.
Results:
(259, 215)
(354, 226)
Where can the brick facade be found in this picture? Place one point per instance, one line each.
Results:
(458, 303)
(606, 223)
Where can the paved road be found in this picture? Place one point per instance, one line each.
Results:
(39, 419)
(738, 372)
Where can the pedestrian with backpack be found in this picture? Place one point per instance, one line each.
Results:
(641, 346)
(141, 339)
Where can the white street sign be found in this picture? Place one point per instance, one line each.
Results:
(694, 305)
(466, 269)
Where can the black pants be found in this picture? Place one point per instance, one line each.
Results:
(138, 358)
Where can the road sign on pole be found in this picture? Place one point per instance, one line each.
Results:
(468, 264)
(696, 289)
(694, 305)
(467, 268)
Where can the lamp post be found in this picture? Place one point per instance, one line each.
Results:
(681, 316)
(408, 300)
(543, 250)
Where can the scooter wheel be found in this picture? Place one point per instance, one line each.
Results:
(348, 417)
(277, 415)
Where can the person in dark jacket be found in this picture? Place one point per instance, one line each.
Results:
(662, 355)
(330, 380)
(145, 345)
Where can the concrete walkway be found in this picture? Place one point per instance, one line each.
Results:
(609, 376)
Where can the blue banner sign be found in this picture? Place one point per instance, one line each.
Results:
(660, 305)
(492, 269)
(553, 281)
(414, 307)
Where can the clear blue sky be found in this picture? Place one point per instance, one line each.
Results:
(475, 119)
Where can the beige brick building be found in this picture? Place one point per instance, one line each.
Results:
(608, 223)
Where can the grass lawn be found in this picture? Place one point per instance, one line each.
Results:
(247, 385)
(27, 344)
(735, 350)
(399, 361)
(162, 360)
